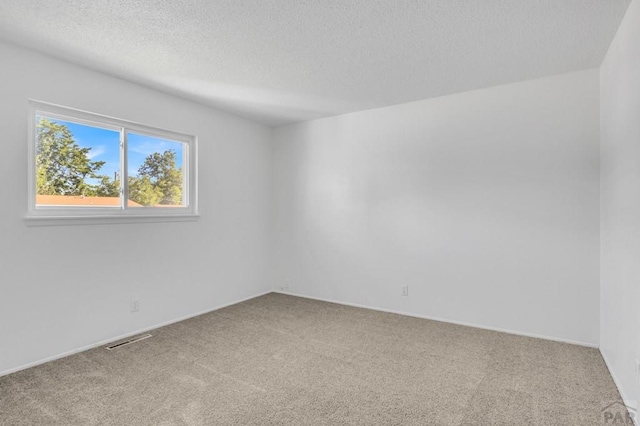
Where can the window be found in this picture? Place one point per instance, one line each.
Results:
(88, 166)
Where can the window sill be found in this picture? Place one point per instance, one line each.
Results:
(106, 220)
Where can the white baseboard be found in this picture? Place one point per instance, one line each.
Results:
(468, 324)
(146, 329)
(617, 383)
(124, 336)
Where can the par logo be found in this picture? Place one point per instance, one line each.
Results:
(619, 413)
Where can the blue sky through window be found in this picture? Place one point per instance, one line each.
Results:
(105, 146)
(141, 146)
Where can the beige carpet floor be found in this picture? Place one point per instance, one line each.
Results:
(283, 360)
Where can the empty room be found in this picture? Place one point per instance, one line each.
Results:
(340, 212)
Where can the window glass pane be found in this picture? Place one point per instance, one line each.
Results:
(76, 164)
(155, 168)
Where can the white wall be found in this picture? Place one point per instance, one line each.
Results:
(63, 288)
(620, 205)
(484, 203)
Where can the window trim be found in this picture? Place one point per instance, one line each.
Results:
(55, 215)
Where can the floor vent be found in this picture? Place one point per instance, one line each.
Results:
(128, 341)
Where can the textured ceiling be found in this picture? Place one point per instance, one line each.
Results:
(282, 61)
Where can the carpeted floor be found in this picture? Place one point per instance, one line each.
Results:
(283, 360)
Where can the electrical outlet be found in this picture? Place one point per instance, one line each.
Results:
(135, 305)
(285, 286)
(405, 290)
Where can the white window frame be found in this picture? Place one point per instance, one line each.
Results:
(70, 215)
